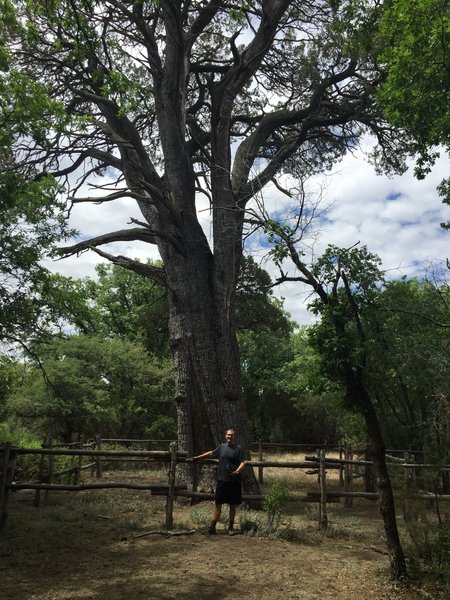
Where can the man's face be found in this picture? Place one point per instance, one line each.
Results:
(229, 436)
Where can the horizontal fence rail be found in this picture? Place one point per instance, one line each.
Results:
(155, 454)
(318, 465)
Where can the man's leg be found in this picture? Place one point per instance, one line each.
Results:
(215, 519)
(233, 508)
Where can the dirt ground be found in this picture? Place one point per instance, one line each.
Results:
(98, 546)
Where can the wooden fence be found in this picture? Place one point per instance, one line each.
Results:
(92, 451)
(11, 454)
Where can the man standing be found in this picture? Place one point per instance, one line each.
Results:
(228, 490)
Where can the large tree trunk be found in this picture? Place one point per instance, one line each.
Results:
(206, 357)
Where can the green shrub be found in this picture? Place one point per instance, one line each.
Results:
(274, 503)
(27, 466)
(428, 549)
(18, 436)
(252, 522)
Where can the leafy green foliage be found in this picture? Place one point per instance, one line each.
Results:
(31, 225)
(414, 38)
(409, 363)
(394, 335)
(427, 537)
(254, 307)
(93, 385)
(277, 234)
(274, 503)
(33, 213)
(264, 332)
(271, 414)
(320, 414)
(416, 96)
(118, 303)
(351, 278)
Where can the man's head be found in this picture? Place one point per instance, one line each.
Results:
(229, 436)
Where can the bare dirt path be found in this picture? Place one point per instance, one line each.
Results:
(68, 551)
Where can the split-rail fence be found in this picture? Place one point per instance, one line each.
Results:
(92, 451)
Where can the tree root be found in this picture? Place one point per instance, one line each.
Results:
(166, 533)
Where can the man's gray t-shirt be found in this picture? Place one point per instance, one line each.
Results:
(230, 457)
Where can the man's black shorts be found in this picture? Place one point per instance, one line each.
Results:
(228, 492)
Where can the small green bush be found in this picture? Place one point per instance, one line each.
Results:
(428, 550)
(274, 503)
(27, 467)
(252, 522)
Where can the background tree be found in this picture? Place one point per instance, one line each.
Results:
(93, 384)
(30, 226)
(176, 99)
(410, 365)
(414, 42)
(272, 416)
(264, 331)
(33, 211)
(117, 303)
(345, 284)
(318, 401)
(132, 307)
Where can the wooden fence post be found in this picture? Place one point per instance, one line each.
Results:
(37, 494)
(51, 462)
(351, 473)
(348, 476)
(79, 460)
(323, 518)
(412, 459)
(369, 472)
(407, 473)
(260, 459)
(171, 492)
(341, 470)
(10, 475)
(446, 474)
(71, 473)
(6, 454)
(98, 460)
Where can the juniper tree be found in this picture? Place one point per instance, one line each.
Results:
(181, 100)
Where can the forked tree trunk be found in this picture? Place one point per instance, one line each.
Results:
(206, 359)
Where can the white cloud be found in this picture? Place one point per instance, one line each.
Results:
(397, 218)
(92, 220)
(75, 266)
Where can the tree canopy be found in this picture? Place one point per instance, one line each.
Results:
(31, 224)
(414, 40)
(135, 89)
